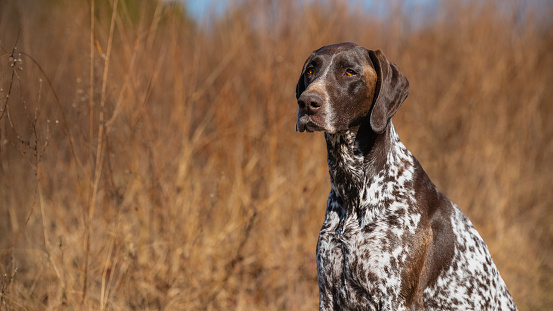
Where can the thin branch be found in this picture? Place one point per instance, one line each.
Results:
(99, 146)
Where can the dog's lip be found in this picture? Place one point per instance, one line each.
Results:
(307, 124)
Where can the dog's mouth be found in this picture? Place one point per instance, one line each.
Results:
(307, 124)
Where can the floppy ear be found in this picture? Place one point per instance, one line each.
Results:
(391, 90)
(300, 87)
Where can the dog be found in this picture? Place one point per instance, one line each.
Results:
(390, 239)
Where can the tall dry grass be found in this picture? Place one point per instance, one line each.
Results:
(150, 162)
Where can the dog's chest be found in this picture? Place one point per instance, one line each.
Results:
(369, 230)
(362, 254)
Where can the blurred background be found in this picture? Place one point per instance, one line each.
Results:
(149, 159)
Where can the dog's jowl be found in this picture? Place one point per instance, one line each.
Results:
(390, 239)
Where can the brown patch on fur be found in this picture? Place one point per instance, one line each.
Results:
(410, 286)
(441, 245)
(371, 79)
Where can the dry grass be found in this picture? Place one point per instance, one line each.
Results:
(158, 167)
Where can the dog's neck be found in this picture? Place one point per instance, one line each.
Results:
(359, 158)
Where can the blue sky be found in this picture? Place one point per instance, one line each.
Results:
(199, 9)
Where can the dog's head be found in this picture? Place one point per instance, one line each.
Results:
(341, 85)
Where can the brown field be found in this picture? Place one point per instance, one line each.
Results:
(149, 162)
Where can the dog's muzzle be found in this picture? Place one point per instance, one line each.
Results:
(309, 115)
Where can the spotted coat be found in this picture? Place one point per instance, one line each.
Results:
(390, 239)
(372, 245)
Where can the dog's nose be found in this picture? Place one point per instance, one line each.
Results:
(309, 103)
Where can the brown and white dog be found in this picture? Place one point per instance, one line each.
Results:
(390, 239)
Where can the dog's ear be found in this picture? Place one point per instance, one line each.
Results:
(300, 87)
(391, 90)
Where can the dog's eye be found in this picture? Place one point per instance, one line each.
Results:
(309, 71)
(350, 72)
